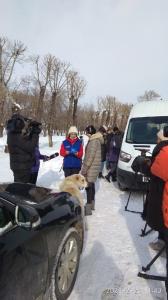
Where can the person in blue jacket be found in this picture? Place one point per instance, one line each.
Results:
(72, 151)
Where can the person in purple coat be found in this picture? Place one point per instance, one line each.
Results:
(36, 165)
(113, 152)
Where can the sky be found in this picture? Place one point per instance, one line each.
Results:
(119, 47)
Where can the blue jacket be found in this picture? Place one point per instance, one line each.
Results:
(74, 158)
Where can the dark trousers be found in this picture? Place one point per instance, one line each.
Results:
(22, 176)
(90, 192)
(68, 172)
(113, 170)
(33, 177)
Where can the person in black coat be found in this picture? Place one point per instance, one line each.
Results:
(21, 143)
(113, 151)
(103, 131)
(153, 214)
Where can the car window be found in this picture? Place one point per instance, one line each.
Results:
(144, 130)
(3, 220)
(5, 216)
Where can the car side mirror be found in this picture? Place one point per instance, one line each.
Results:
(27, 216)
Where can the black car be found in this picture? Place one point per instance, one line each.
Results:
(41, 239)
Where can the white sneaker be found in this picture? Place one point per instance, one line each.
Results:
(157, 245)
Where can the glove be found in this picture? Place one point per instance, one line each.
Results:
(46, 158)
(73, 151)
(54, 155)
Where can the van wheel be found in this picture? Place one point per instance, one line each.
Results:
(66, 265)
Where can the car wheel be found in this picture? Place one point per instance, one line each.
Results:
(66, 265)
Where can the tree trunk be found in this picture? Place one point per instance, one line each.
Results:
(1, 130)
(69, 113)
(51, 120)
(74, 114)
(50, 141)
(39, 110)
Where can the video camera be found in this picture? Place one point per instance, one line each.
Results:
(141, 164)
(31, 127)
(24, 126)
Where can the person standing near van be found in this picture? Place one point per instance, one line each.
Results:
(91, 165)
(113, 152)
(103, 131)
(72, 151)
(157, 208)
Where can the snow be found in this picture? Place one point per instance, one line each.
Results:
(114, 251)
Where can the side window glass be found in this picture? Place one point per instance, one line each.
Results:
(3, 219)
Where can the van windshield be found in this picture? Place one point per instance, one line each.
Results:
(144, 130)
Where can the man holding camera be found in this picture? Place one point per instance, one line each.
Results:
(22, 139)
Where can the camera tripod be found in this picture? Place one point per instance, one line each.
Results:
(128, 200)
(144, 231)
(147, 268)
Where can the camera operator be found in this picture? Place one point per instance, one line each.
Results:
(157, 200)
(22, 139)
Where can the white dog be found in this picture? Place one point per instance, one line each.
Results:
(72, 185)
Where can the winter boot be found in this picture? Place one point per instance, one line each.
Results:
(93, 205)
(114, 178)
(100, 175)
(88, 209)
(107, 177)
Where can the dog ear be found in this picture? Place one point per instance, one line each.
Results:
(77, 177)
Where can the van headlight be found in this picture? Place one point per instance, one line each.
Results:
(125, 156)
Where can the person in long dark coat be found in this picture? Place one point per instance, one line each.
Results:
(21, 146)
(103, 131)
(113, 152)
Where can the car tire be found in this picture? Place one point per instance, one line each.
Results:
(66, 265)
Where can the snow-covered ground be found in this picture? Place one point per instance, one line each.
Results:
(113, 251)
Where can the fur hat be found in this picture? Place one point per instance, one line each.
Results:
(90, 129)
(73, 129)
(163, 134)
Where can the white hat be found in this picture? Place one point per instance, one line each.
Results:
(161, 136)
(73, 129)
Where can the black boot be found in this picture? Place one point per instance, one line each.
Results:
(88, 209)
(100, 175)
(107, 177)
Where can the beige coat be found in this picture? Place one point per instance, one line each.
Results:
(92, 160)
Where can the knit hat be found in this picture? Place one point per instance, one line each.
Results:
(73, 129)
(163, 134)
(90, 129)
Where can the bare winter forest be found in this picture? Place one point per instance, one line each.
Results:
(51, 92)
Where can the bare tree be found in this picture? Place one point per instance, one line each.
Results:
(42, 75)
(148, 96)
(75, 89)
(57, 84)
(10, 54)
(110, 105)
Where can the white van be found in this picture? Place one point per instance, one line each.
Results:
(145, 120)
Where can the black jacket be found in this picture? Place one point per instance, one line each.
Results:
(21, 150)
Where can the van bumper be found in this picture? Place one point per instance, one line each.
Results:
(131, 181)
